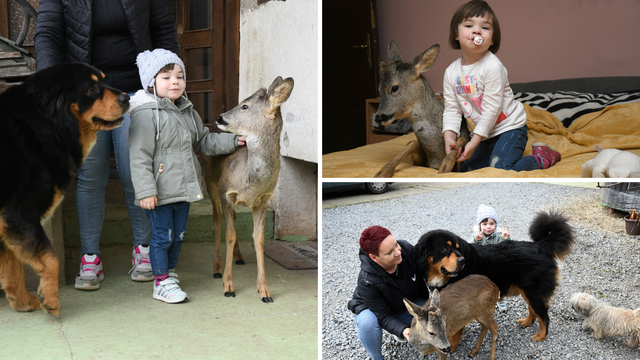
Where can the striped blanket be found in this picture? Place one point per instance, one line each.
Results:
(569, 105)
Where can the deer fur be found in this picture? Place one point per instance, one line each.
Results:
(439, 324)
(404, 93)
(247, 176)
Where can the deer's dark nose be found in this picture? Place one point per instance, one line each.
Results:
(220, 121)
(446, 350)
(380, 118)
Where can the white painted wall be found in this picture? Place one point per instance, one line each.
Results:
(280, 38)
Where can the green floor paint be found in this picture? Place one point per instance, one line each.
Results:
(121, 320)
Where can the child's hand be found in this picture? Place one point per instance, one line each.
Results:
(505, 233)
(449, 140)
(149, 203)
(470, 148)
(241, 140)
(478, 235)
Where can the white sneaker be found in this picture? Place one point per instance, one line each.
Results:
(168, 291)
(174, 275)
(141, 270)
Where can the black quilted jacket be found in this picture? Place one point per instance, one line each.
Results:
(378, 292)
(65, 28)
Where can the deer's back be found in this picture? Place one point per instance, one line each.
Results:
(463, 301)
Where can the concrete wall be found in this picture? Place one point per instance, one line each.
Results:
(280, 38)
(541, 40)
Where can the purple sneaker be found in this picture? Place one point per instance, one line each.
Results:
(545, 154)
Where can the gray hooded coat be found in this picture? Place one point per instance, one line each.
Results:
(168, 167)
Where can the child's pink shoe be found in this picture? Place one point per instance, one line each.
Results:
(547, 156)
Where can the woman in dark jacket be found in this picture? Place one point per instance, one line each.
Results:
(107, 34)
(388, 274)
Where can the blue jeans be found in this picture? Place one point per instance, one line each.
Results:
(502, 152)
(168, 226)
(370, 332)
(93, 177)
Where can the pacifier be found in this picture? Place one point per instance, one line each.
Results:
(478, 40)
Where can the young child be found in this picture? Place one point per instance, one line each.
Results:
(485, 233)
(487, 223)
(476, 88)
(165, 130)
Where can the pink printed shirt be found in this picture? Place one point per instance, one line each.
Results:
(480, 93)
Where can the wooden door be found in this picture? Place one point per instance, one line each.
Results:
(209, 38)
(349, 71)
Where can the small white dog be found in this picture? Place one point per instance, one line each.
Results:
(607, 320)
(612, 163)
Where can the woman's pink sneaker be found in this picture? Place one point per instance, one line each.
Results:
(546, 155)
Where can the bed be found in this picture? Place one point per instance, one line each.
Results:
(571, 115)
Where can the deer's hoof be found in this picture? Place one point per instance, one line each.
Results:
(230, 293)
(267, 299)
(217, 275)
(239, 262)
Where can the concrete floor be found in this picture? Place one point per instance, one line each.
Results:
(121, 320)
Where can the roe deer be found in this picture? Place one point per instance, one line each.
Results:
(404, 93)
(248, 176)
(439, 324)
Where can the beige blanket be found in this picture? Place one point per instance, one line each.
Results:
(616, 126)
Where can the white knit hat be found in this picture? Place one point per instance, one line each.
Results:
(150, 62)
(486, 212)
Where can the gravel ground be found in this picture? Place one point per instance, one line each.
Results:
(604, 263)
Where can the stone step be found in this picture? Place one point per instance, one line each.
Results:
(116, 229)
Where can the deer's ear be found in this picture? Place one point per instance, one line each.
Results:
(279, 91)
(393, 52)
(425, 61)
(435, 299)
(411, 307)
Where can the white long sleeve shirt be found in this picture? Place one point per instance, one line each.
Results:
(481, 93)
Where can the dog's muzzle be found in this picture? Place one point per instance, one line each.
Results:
(459, 267)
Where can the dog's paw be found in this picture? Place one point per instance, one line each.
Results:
(51, 307)
(538, 338)
(632, 343)
(32, 303)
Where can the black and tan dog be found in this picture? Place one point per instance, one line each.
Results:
(48, 125)
(516, 267)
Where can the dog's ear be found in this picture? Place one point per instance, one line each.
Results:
(48, 93)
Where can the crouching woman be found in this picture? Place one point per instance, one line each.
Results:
(388, 273)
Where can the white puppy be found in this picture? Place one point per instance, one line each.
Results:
(607, 320)
(612, 163)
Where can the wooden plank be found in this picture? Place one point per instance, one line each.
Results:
(10, 54)
(4, 19)
(232, 52)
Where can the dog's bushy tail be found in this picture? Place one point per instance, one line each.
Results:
(553, 233)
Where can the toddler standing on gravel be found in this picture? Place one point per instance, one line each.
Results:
(486, 234)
